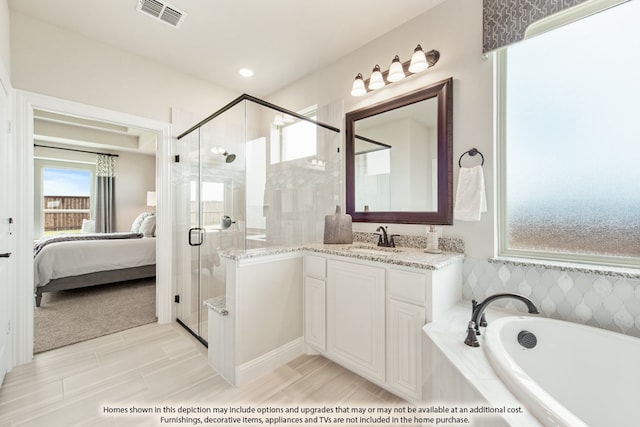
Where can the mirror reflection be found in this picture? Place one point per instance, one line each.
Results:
(396, 159)
(399, 158)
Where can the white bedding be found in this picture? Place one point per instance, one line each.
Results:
(73, 258)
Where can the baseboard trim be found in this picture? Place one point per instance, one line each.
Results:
(268, 362)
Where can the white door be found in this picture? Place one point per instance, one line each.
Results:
(6, 180)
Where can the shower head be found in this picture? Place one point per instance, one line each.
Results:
(229, 157)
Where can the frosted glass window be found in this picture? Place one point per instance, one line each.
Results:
(571, 149)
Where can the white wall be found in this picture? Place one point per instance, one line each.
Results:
(55, 62)
(454, 28)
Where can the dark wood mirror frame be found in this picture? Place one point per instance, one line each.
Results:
(444, 215)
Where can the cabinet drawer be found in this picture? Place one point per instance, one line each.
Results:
(407, 286)
(315, 266)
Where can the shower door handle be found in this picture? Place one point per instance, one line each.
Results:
(199, 233)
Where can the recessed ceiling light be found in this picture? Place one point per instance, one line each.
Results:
(245, 72)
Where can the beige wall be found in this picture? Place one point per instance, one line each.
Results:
(55, 62)
(454, 28)
(5, 60)
(135, 175)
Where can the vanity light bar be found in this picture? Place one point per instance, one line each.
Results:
(419, 61)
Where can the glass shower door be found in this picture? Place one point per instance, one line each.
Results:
(191, 236)
(213, 189)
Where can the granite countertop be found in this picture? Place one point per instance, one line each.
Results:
(405, 256)
(218, 304)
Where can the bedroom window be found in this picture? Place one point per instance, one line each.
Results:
(66, 199)
(568, 141)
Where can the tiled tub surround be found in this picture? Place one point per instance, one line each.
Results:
(590, 296)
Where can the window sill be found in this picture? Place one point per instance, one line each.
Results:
(609, 271)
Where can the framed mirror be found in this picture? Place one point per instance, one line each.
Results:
(399, 158)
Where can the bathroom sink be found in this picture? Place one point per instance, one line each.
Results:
(371, 250)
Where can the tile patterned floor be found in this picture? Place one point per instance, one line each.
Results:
(161, 366)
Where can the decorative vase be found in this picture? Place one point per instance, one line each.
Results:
(337, 227)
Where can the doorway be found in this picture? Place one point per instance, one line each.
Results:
(70, 156)
(26, 104)
(6, 234)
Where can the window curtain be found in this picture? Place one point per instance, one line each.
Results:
(105, 193)
(506, 21)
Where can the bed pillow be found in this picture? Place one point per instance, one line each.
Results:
(88, 226)
(148, 227)
(135, 227)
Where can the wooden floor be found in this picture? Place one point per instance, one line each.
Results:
(157, 366)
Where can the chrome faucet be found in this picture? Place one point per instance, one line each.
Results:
(384, 239)
(478, 314)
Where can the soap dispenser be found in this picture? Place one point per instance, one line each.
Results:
(433, 246)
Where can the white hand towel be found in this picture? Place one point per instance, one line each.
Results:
(471, 199)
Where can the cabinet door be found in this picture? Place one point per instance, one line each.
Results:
(356, 317)
(404, 361)
(314, 313)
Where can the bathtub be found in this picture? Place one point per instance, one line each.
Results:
(574, 376)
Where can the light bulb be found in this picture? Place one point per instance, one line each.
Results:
(396, 72)
(376, 81)
(358, 88)
(245, 72)
(418, 61)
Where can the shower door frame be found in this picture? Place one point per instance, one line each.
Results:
(198, 226)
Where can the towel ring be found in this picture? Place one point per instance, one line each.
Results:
(472, 153)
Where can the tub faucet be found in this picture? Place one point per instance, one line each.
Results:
(478, 312)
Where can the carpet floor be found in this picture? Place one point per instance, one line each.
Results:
(68, 317)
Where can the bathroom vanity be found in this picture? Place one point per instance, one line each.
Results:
(364, 308)
(359, 305)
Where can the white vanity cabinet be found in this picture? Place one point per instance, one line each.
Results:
(355, 307)
(368, 316)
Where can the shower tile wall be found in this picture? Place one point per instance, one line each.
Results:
(606, 302)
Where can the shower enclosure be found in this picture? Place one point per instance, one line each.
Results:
(252, 175)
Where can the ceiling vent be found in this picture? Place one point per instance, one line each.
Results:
(163, 11)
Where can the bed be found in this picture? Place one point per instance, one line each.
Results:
(71, 262)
